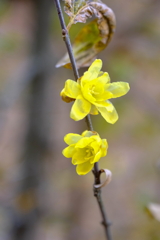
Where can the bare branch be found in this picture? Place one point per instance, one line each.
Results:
(97, 192)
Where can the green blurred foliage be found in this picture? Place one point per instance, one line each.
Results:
(9, 43)
(4, 8)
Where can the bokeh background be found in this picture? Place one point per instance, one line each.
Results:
(41, 196)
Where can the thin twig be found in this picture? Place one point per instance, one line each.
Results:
(96, 172)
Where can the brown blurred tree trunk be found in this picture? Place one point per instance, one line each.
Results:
(36, 147)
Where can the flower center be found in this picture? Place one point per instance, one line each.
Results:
(89, 153)
(93, 90)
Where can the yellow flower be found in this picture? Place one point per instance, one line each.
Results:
(85, 150)
(92, 93)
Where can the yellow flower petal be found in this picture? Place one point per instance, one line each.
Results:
(84, 142)
(96, 145)
(69, 151)
(100, 73)
(93, 110)
(84, 168)
(65, 98)
(79, 156)
(93, 71)
(104, 147)
(72, 89)
(109, 113)
(80, 108)
(100, 151)
(72, 138)
(102, 104)
(89, 133)
(97, 157)
(104, 78)
(118, 89)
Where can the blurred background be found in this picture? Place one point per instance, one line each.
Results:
(41, 196)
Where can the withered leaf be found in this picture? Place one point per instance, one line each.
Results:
(72, 6)
(82, 46)
(107, 179)
(95, 36)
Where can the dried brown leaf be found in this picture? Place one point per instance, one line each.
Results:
(72, 6)
(85, 49)
(106, 181)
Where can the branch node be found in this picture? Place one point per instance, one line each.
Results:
(64, 34)
(95, 192)
(106, 224)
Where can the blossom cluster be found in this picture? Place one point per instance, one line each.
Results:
(91, 95)
(85, 150)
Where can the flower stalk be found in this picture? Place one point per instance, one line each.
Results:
(96, 171)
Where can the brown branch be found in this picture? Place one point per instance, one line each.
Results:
(96, 172)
